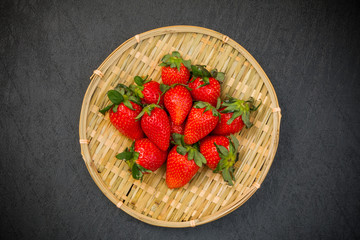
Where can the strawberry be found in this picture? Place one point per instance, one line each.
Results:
(205, 85)
(123, 111)
(234, 115)
(175, 69)
(176, 129)
(183, 162)
(156, 125)
(147, 90)
(221, 155)
(208, 149)
(142, 157)
(202, 119)
(178, 102)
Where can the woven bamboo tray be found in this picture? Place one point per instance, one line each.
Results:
(207, 197)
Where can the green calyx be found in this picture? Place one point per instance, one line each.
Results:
(228, 159)
(130, 156)
(147, 110)
(199, 71)
(121, 94)
(164, 88)
(139, 87)
(239, 108)
(209, 107)
(192, 150)
(174, 61)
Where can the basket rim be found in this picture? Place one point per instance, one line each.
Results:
(85, 152)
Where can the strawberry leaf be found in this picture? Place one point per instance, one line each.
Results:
(233, 117)
(125, 155)
(234, 141)
(220, 76)
(200, 71)
(136, 155)
(128, 104)
(227, 177)
(181, 150)
(135, 99)
(115, 97)
(218, 103)
(144, 170)
(178, 139)
(199, 158)
(164, 88)
(221, 149)
(178, 65)
(105, 109)
(123, 87)
(136, 173)
(165, 58)
(200, 105)
(206, 82)
(176, 54)
(246, 119)
(187, 64)
(191, 154)
(140, 115)
(138, 80)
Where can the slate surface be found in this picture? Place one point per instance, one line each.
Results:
(310, 51)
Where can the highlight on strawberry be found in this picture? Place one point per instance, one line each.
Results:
(156, 125)
(175, 69)
(142, 157)
(123, 110)
(221, 155)
(235, 114)
(147, 90)
(205, 85)
(202, 119)
(183, 162)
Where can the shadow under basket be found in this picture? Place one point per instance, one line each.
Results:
(207, 197)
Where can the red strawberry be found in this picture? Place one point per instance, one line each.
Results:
(175, 69)
(178, 102)
(176, 129)
(202, 119)
(156, 125)
(182, 163)
(147, 90)
(221, 155)
(205, 85)
(234, 115)
(143, 157)
(123, 111)
(208, 149)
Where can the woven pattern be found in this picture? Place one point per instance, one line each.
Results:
(207, 197)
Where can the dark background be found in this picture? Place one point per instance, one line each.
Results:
(310, 51)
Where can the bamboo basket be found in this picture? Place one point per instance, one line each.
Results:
(207, 197)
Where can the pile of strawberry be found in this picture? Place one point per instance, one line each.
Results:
(186, 110)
